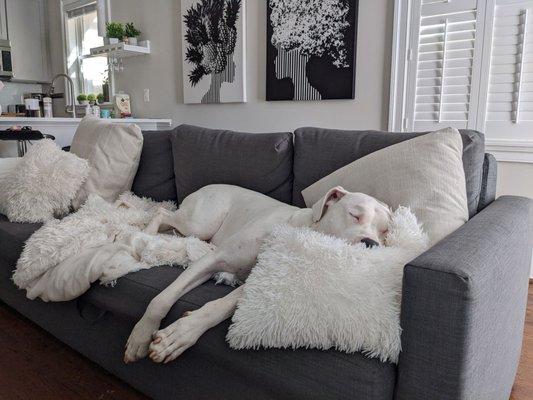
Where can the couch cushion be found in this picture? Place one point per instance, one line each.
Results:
(113, 151)
(319, 152)
(12, 238)
(273, 373)
(155, 175)
(260, 162)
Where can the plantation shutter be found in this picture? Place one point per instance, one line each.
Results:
(509, 51)
(444, 64)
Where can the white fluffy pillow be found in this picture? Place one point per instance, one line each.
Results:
(316, 291)
(424, 173)
(43, 184)
(113, 151)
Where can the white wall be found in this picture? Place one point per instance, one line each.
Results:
(12, 93)
(161, 72)
(516, 179)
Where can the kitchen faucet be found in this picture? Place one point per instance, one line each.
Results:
(72, 93)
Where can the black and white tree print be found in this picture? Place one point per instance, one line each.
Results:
(311, 49)
(210, 38)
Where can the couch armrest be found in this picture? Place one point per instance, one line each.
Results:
(463, 308)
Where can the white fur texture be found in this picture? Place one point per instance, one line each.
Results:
(316, 291)
(96, 224)
(43, 184)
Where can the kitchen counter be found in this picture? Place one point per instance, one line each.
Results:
(64, 128)
(75, 121)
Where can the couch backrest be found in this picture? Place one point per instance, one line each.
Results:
(318, 152)
(155, 175)
(177, 162)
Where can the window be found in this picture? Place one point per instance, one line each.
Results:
(466, 64)
(509, 79)
(81, 34)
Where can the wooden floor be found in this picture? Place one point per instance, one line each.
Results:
(523, 385)
(35, 365)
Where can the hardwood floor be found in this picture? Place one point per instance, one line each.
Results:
(35, 365)
(523, 385)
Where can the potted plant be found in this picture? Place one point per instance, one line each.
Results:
(101, 98)
(82, 99)
(131, 34)
(114, 32)
(91, 98)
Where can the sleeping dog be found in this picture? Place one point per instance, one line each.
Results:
(236, 221)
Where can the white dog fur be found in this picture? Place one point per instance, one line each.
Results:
(237, 221)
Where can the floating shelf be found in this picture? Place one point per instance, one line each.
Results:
(120, 50)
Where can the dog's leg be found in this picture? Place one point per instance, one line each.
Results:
(199, 272)
(171, 342)
(160, 220)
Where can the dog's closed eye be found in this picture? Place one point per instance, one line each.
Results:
(357, 218)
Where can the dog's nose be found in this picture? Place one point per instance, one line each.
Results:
(369, 242)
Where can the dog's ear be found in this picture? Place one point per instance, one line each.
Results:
(331, 197)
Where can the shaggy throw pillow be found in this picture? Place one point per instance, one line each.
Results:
(315, 291)
(113, 151)
(424, 173)
(43, 184)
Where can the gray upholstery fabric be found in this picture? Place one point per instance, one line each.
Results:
(12, 238)
(155, 175)
(261, 162)
(463, 308)
(369, 378)
(489, 182)
(318, 152)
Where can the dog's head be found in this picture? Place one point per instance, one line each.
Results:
(355, 217)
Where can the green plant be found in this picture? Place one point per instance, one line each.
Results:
(114, 30)
(100, 97)
(131, 31)
(91, 98)
(81, 97)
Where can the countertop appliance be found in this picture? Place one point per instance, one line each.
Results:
(6, 64)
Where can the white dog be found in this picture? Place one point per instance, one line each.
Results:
(237, 220)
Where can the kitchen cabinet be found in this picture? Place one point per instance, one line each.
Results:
(26, 22)
(3, 20)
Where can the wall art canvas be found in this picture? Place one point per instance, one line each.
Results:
(311, 48)
(213, 50)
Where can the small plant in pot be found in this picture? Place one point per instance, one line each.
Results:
(91, 98)
(131, 34)
(82, 99)
(114, 32)
(101, 98)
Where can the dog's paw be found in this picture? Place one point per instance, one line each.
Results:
(169, 343)
(139, 341)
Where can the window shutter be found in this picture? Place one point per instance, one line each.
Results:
(443, 72)
(509, 106)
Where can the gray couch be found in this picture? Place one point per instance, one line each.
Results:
(463, 301)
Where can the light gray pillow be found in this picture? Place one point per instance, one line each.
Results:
(424, 173)
(113, 152)
(43, 183)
